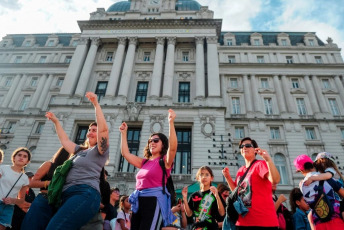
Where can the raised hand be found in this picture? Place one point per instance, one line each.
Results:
(51, 116)
(185, 192)
(225, 172)
(92, 97)
(171, 115)
(123, 128)
(263, 153)
(214, 191)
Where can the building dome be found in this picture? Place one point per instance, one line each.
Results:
(187, 5)
(123, 6)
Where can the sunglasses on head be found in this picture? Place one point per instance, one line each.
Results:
(246, 145)
(155, 140)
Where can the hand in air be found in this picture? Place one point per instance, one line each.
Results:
(51, 116)
(171, 115)
(92, 97)
(123, 128)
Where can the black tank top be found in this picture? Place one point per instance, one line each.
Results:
(49, 175)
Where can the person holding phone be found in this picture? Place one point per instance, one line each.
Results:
(256, 189)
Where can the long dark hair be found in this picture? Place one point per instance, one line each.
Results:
(60, 156)
(146, 152)
(295, 195)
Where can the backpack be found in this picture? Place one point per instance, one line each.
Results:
(322, 206)
(287, 216)
(169, 184)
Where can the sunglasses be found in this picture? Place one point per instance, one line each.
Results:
(155, 140)
(246, 145)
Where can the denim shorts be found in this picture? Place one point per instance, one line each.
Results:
(6, 213)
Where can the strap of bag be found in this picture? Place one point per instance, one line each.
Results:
(242, 178)
(14, 185)
(164, 174)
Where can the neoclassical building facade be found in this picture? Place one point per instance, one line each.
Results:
(142, 57)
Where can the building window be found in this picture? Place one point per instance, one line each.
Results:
(27, 43)
(39, 128)
(101, 89)
(33, 82)
(24, 103)
(260, 59)
(268, 106)
(109, 56)
(334, 106)
(182, 161)
(146, 56)
(10, 128)
(264, 83)
(141, 91)
(185, 56)
(18, 59)
(59, 82)
(310, 134)
(311, 42)
(229, 42)
(281, 163)
(256, 42)
(284, 42)
(236, 105)
(239, 132)
(234, 83)
(81, 134)
(295, 83)
(289, 59)
(318, 60)
(8, 82)
(231, 59)
(275, 133)
(68, 59)
(133, 136)
(184, 92)
(42, 59)
(51, 43)
(301, 106)
(326, 84)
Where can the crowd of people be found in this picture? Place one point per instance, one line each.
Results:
(87, 201)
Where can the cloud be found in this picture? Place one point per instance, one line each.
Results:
(10, 4)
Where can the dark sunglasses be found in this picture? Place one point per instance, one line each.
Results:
(246, 145)
(155, 140)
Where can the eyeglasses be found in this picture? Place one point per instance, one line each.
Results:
(246, 145)
(115, 191)
(155, 140)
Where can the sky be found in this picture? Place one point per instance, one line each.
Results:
(325, 17)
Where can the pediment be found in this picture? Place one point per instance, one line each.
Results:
(261, 90)
(309, 35)
(330, 91)
(236, 90)
(283, 35)
(255, 34)
(298, 91)
(228, 35)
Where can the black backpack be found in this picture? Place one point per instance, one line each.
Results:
(169, 184)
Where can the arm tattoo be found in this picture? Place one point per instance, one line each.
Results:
(103, 144)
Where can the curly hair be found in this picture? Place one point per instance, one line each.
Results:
(146, 152)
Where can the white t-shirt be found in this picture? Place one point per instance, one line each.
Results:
(126, 218)
(7, 180)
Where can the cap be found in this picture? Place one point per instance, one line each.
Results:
(300, 161)
(29, 174)
(324, 155)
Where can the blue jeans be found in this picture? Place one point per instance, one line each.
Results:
(6, 213)
(39, 214)
(79, 204)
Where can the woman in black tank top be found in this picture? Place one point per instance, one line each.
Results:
(40, 212)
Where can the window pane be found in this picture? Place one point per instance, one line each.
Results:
(133, 144)
(310, 134)
(141, 91)
(280, 163)
(101, 89)
(236, 105)
(183, 156)
(146, 56)
(295, 83)
(184, 92)
(265, 83)
(239, 132)
(185, 56)
(25, 102)
(268, 106)
(275, 133)
(301, 107)
(334, 107)
(234, 83)
(109, 56)
(81, 134)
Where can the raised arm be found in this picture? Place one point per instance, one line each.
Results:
(318, 177)
(36, 179)
(220, 207)
(187, 208)
(131, 158)
(172, 142)
(228, 178)
(67, 144)
(273, 176)
(102, 129)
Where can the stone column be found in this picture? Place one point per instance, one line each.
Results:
(11, 91)
(287, 95)
(311, 95)
(87, 69)
(279, 94)
(319, 94)
(17, 92)
(116, 68)
(169, 68)
(38, 92)
(157, 69)
(247, 94)
(213, 68)
(200, 75)
(256, 97)
(45, 92)
(128, 68)
(340, 87)
(74, 68)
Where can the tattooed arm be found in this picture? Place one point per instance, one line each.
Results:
(102, 129)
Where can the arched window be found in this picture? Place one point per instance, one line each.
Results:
(281, 163)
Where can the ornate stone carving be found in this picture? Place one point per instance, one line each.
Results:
(329, 40)
(157, 124)
(133, 110)
(208, 125)
(160, 40)
(96, 41)
(143, 75)
(133, 41)
(184, 75)
(212, 40)
(171, 40)
(122, 41)
(199, 40)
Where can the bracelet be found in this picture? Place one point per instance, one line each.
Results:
(45, 184)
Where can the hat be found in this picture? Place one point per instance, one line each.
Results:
(29, 174)
(300, 162)
(324, 155)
